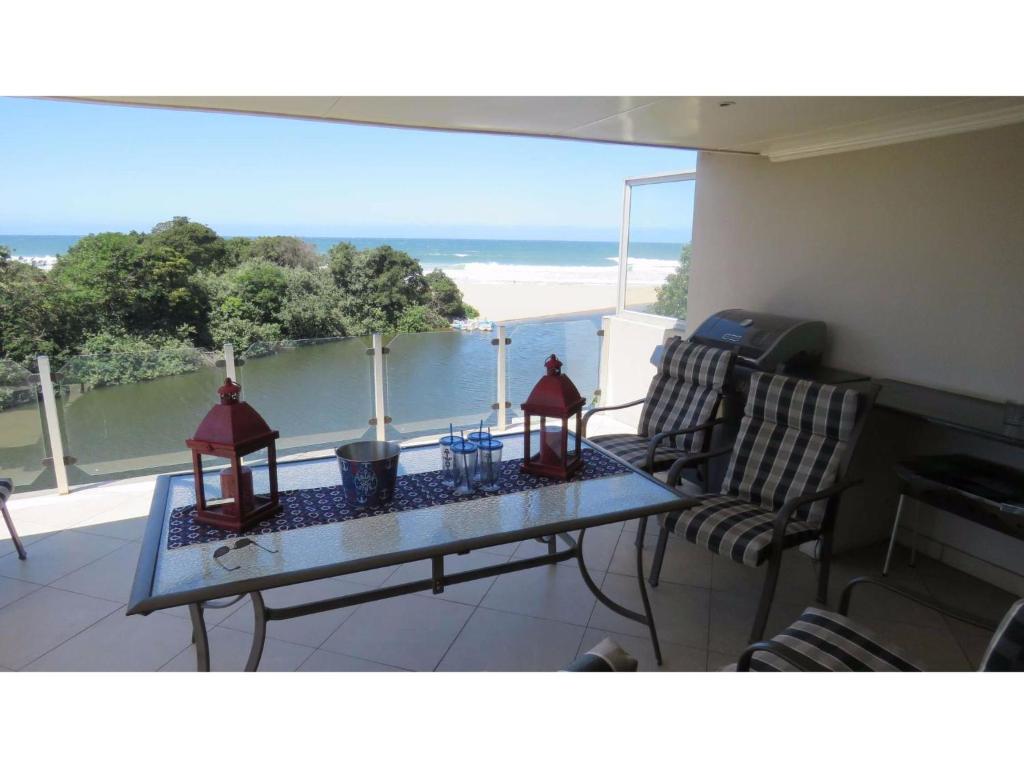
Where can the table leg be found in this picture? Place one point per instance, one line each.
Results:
(892, 537)
(647, 617)
(202, 642)
(259, 636)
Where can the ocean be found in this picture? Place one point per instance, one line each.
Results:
(547, 261)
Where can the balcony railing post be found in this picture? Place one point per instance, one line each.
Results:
(60, 471)
(502, 379)
(602, 360)
(378, 386)
(229, 362)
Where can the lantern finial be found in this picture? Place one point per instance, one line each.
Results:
(230, 393)
(554, 365)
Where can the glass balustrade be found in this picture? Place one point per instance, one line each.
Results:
(22, 442)
(576, 344)
(440, 378)
(316, 392)
(130, 414)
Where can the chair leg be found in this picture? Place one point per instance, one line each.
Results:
(659, 556)
(771, 579)
(14, 533)
(892, 536)
(639, 539)
(825, 565)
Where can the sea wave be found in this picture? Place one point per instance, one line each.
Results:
(641, 272)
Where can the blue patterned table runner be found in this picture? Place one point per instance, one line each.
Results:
(306, 507)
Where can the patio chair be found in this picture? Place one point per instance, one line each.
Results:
(6, 489)
(782, 487)
(823, 641)
(678, 412)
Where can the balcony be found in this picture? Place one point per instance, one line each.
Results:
(64, 607)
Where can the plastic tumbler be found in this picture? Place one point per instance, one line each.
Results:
(463, 467)
(446, 443)
(489, 463)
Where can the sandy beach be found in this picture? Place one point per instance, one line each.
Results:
(523, 300)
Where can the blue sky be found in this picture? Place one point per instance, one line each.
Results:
(70, 168)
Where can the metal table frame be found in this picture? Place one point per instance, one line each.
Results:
(222, 596)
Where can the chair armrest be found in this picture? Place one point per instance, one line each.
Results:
(677, 468)
(784, 652)
(786, 510)
(592, 411)
(844, 602)
(652, 446)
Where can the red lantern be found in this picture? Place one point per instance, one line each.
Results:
(555, 400)
(231, 430)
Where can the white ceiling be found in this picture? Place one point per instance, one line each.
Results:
(781, 128)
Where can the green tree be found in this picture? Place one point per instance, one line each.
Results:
(379, 285)
(196, 242)
(672, 295)
(29, 316)
(419, 319)
(313, 306)
(285, 252)
(446, 298)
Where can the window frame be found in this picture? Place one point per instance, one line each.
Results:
(639, 181)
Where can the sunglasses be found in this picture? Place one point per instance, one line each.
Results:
(239, 544)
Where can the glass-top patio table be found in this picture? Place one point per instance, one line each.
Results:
(192, 575)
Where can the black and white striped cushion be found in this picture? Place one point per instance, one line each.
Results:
(792, 438)
(633, 449)
(836, 643)
(737, 529)
(685, 391)
(6, 488)
(1006, 650)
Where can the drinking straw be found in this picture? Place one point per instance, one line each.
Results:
(465, 458)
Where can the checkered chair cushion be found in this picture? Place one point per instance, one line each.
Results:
(1006, 650)
(792, 438)
(633, 448)
(736, 529)
(685, 391)
(836, 643)
(6, 488)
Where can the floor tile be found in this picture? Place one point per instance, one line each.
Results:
(44, 619)
(546, 592)
(57, 556)
(674, 657)
(508, 642)
(110, 577)
(309, 630)
(119, 643)
(469, 593)
(326, 661)
(680, 611)
(732, 617)
(684, 562)
(718, 661)
(12, 589)
(121, 522)
(411, 632)
(229, 650)
(875, 604)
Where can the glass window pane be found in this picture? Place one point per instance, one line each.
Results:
(658, 255)
(130, 414)
(440, 378)
(316, 392)
(22, 445)
(576, 344)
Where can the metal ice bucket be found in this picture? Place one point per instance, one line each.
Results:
(368, 471)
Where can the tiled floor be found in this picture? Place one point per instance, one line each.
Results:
(63, 609)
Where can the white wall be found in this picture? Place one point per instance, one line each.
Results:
(914, 256)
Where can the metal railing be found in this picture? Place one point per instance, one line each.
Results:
(317, 392)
